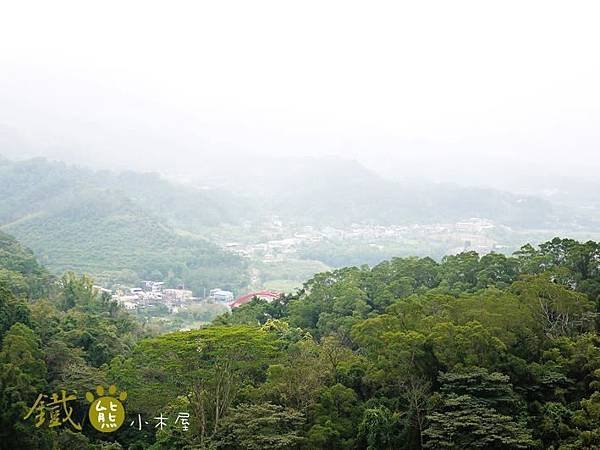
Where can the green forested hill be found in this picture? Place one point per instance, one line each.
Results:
(54, 332)
(38, 184)
(475, 351)
(19, 270)
(115, 227)
(472, 352)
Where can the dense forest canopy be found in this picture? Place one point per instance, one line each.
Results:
(474, 351)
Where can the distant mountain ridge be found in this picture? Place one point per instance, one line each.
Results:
(116, 227)
(337, 191)
(128, 225)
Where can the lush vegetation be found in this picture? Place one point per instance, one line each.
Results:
(55, 333)
(20, 272)
(123, 227)
(118, 228)
(160, 319)
(471, 352)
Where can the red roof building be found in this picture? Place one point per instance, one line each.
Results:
(268, 295)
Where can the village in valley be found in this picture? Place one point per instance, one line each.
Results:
(280, 247)
(276, 241)
(280, 255)
(153, 294)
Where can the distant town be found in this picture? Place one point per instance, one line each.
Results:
(473, 234)
(470, 234)
(154, 293)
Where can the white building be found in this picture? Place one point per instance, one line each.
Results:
(180, 295)
(219, 295)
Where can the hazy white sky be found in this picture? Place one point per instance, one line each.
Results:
(449, 88)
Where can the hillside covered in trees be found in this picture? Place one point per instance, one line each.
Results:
(118, 227)
(471, 352)
(124, 227)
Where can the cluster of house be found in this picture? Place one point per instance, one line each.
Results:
(153, 293)
(473, 230)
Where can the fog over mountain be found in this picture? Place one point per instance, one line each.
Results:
(315, 225)
(476, 94)
(432, 128)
